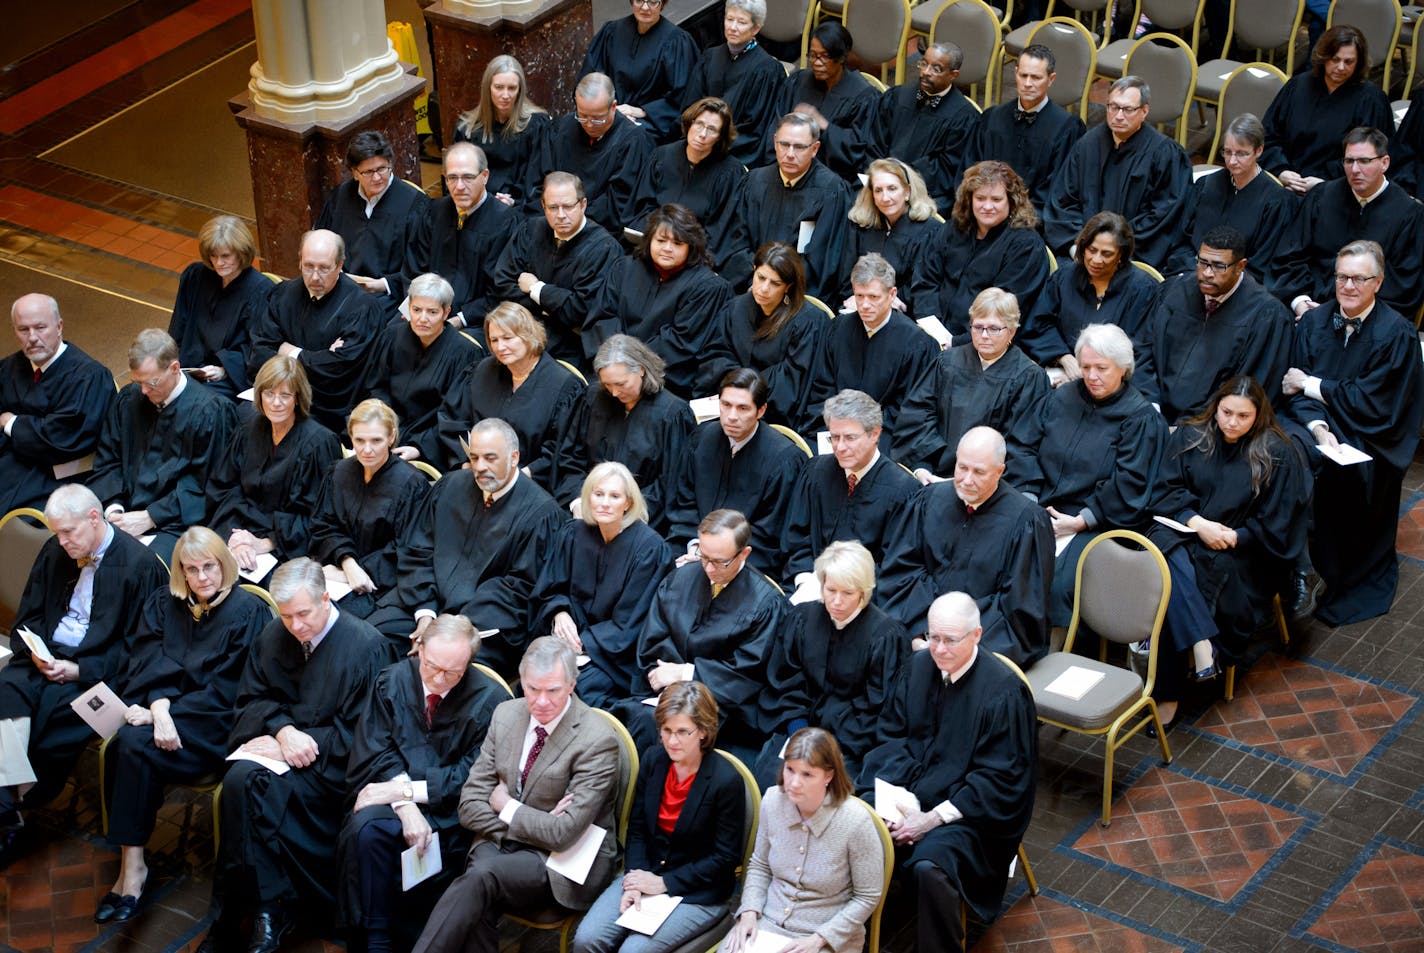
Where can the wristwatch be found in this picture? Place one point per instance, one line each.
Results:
(407, 792)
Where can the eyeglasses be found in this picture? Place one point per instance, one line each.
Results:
(710, 130)
(210, 570)
(648, 4)
(1122, 110)
(1359, 162)
(154, 381)
(1215, 267)
(719, 563)
(279, 396)
(1357, 281)
(564, 207)
(821, 57)
(1228, 155)
(790, 146)
(681, 734)
(945, 640)
(379, 172)
(987, 330)
(462, 179)
(437, 670)
(590, 121)
(317, 271)
(927, 67)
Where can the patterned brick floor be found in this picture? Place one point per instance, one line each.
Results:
(1381, 910)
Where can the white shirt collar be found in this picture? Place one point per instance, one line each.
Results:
(371, 202)
(554, 723)
(860, 474)
(1037, 109)
(52, 358)
(330, 621)
(502, 491)
(737, 445)
(1384, 184)
(958, 673)
(853, 616)
(178, 389)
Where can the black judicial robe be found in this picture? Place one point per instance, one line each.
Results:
(837, 679)
(376, 247)
(347, 313)
(1263, 212)
(271, 490)
(607, 587)
(212, 324)
(1238, 584)
(957, 265)
(57, 419)
(1147, 180)
(573, 273)
(464, 255)
(975, 744)
(933, 136)
(391, 738)
(1036, 149)
(846, 106)
(676, 316)
(511, 156)
(903, 245)
(414, 379)
(649, 70)
(649, 440)
(1374, 400)
(1305, 124)
(539, 411)
(729, 639)
(793, 362)
(1069, 303)
(1330, 218)
(1006, 395)
(897, 367)
(706, 189)
(1001, 555)
(1191, 355)
(607, 166)
(821, 512)
(160, 460)
(366, 521)
(767, 211)
(748, 82)
(1406, 147)
(757, 482)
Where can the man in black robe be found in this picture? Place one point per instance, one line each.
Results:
(411, 752)
(714, 621)
(462, 235)
(309, 675)
(1123, 166)
(327, 322)
(837, 98)
(961, 734)
(982, 536)
(741, 73)
(476, 550)
(1208, 327)
(853, 493)
(1032, 133)
(53, 401)
(1355, 379)
(738, 463)
(1362, 205)
(555, 267)
(161, 439)
(604, 148)
(795, 200)
(83, 600)
(376, 213)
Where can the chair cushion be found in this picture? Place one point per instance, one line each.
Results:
(1211, 76)
(1112, 57)
(1096, 709)
(833, 6)
(1018, 39)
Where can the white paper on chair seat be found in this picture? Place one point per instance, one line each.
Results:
(889, 798)
(336, 585)
(271, 764)
(1345, 455)
(705, 408)
(35, 644)
(1173, 524)
(576, 861)
(1074, 683)
(418, 868)
(266, 562)
(656, 910)
(101, 710)
(1060, 543)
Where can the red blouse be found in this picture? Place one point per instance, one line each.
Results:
(674, 797)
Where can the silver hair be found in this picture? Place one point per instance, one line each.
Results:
(873, 267)
(481, 160)
(854, 405)
(302, 574)
(71, 500)
(952, 608)
(595, 86)
(548, 654)
(495, 425)
(52, 304)
(431, 285)
(1003, 304)
(1134, 82)
(636, 356)
(756, 9)
(803, 121)
(1367, 248)
(980, 436)
(1111, 342)
(453, 628)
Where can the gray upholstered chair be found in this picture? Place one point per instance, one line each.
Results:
(20, 541)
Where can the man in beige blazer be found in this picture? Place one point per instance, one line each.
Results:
(547, 770)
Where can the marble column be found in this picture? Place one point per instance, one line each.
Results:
(325, 71)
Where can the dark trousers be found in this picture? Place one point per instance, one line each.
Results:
(57, 735)
(136, 773)
(466, 920)
(279, 836)
(1353, 547)
(940, 928)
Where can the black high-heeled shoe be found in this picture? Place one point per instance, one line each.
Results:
(1211, 671)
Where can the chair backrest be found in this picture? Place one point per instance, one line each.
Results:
(1379, 21)
(751, 800)
(786, 20)
(1143, 266)
(493, 676)
(627, 773)
(873, 81)
(1052, 259)
(1121, 593)
(262, 594)
(887, 850)
(1170, 70)
(20, 542)
(1249, 88)
(880, 28)
(973, 26)
(1168, 15)
(574, 371)
(794, 437)
(472, 339)
(818, 303)
(1076, 54)
(427, 469)
(1267, 24)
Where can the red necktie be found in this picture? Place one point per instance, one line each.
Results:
(851, 481)
(1211, 305)
(488, 500)
(968, 509)
(431, 701)
(539, 735)
(38, 372)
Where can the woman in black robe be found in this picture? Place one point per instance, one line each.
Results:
(627, 416)
(598, 581)
(894, 217)
(188, 654)
(650, 60)
(367, 504)
(264, 491)
(990, 240)
(417, 362)
(508, 126)
(1311, 114)
(1097, 452)
(776, 332)
(1233, 476)
(666, 295)
(1101, 286)
(518, 383)
(218, 299)
(838, 99)
(696, 172)
(743, 75)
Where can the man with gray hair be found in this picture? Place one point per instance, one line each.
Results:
(1128, 167)
(308, 678)
(476, 550)
(53, 400)
(83, 601)
(548, 768)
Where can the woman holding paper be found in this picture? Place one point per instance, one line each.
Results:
(684, 839)
(188, 654)
(818, 869)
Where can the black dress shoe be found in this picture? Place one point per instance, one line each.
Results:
(12, 846)
(269, 930)
(107, 907)
(1303, 595)
(118, 908)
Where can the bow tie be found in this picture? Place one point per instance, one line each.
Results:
(89, 561)
(1339, 322)
(1025, 116)
(923, 98)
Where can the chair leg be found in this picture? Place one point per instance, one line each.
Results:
(1028, 872)
(1108, 771)
(217, 821)
(1161, 733)
(103, 791)
(1230, 682)
(1281, 619)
